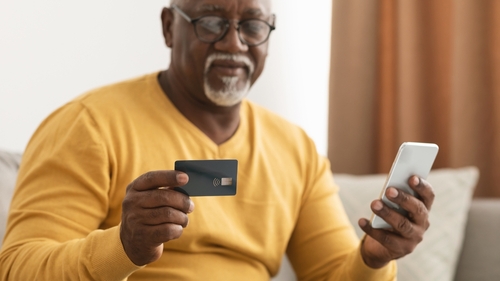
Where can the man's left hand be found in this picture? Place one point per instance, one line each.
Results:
(380, 246)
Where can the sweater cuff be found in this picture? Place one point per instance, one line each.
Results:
(107, 256)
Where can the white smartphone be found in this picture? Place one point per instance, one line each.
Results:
(413, 158)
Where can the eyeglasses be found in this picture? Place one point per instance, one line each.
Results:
(211, 29)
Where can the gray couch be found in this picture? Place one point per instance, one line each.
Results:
(479, 259)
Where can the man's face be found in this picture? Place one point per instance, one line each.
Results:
(219, 73)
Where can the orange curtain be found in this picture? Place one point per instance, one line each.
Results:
(416, 70)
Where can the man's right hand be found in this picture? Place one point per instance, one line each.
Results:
(153, 213)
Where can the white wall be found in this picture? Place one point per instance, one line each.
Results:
(52, 51)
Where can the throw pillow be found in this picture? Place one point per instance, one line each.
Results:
(436, 257)
(9, 164)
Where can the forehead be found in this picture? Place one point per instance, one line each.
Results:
(252, 7)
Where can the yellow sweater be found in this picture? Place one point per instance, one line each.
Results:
(65, 214)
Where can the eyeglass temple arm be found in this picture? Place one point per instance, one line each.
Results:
(182, 13)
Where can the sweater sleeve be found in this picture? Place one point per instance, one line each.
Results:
(324, 245)
(54, 230)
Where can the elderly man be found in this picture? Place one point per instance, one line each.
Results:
(95, 197)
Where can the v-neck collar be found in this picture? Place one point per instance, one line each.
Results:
(221, 150)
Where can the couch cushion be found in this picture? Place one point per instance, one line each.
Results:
(480, 258)
(436, 257)
(9, 164)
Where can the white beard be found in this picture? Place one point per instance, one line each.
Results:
(230, 94)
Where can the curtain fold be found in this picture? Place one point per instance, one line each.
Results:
(420, 70)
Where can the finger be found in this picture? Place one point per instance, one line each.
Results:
(144, 245)
(162, 215)
(164, 232)
(397, 221)
(160, 178)
(416, 209)
(394, 243)
(423, 189)
(164, 198)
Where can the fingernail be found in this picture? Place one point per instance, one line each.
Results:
(182, 178)
(377, 206)
(191, 206)
(362, 223)
(392, 192)
(415, 181)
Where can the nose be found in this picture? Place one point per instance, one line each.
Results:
(231, 42)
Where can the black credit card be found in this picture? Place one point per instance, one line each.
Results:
(209, 177)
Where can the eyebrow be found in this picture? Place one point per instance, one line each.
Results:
(254, 12)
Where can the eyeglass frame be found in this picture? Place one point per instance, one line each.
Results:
(227, 23)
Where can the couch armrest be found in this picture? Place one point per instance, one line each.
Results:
(480, 257)
(9, 164)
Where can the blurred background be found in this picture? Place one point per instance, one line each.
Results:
(359, 76)
(416, 70)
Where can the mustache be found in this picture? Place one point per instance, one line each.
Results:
(230, 57)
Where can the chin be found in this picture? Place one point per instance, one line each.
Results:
(230, 94)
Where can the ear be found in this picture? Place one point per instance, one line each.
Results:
(167, 19)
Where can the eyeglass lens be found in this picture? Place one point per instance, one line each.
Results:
(212, 28)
